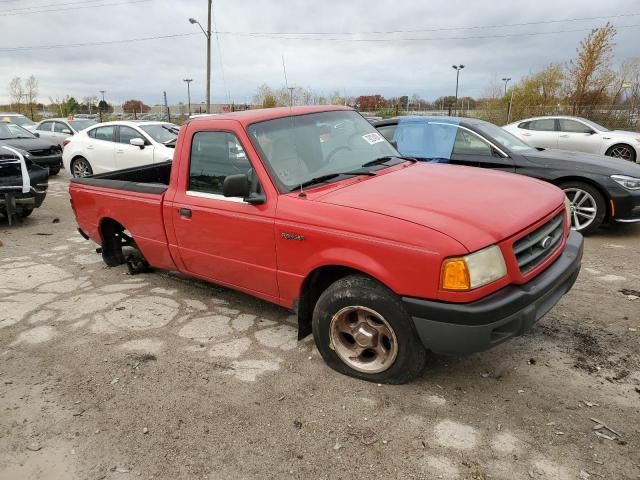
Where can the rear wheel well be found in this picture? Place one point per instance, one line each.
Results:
(603, 192)
(314, 284)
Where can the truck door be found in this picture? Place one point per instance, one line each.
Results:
(225, 240)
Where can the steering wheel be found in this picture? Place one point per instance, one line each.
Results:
(341, 147)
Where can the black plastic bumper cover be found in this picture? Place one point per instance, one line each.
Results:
(480, 325)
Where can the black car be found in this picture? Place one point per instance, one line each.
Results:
(43, 152)
(22, 187)
(599, 188)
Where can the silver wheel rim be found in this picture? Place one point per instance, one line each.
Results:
(80, 168)
(584, 208)
(363, 339)
(621, 152)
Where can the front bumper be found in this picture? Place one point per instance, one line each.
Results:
(626, 204)
(51, 161)
(480, 325)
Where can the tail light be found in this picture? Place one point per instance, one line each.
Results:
(65, 142)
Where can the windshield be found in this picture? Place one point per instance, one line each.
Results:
(502, 137)
(81, 124)
(9, 131)
(301, 148)
(595, 125)
(161, 133)
(18, 120)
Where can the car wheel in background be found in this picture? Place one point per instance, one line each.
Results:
(361, 329)
(588, 206)
(80, 167)
(623, 151)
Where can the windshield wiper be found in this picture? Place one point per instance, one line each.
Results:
(330, 176)
(385, 159)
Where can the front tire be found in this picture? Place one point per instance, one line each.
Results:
(25, 212)
(622, 151)
(362, 330)
(588, 206)
(80, 167)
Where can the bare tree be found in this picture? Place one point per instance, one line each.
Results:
(16, 93)
(590, 75)
(31, 93)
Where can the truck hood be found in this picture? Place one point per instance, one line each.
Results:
(473, 206)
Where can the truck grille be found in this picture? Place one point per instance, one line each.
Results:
(533, 249)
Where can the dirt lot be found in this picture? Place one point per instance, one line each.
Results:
(105, 375)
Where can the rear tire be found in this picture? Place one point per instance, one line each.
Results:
(622, 151)
(362, 330)
(112, 254)
(588, 206)
(80, 167)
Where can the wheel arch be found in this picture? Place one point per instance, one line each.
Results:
(575, 178)
(316, 282)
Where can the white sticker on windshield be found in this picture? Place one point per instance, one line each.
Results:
(373, 138)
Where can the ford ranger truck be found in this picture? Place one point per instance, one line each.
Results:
(381, 257)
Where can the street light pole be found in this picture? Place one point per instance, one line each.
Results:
(457, 68)
(506, 81)
(207, 34)
(291, 89)
(188, 81)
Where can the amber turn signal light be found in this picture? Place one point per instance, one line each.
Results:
(455, 275)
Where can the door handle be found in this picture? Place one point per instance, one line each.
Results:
(119, 151)
(564, 136)
(526, 134)
(89, 147)
(185, 212)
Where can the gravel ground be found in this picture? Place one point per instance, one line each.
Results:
(105, 375)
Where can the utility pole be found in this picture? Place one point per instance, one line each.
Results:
(457, 68)
(103, 103)
(291, 89)
(207, 34)
(188, 82)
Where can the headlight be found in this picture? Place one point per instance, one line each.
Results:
(474, 270)
(567, 210)
(630, 183)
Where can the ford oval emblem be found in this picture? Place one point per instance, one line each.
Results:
(546, 242)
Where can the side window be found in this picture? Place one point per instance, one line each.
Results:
(468, 143)
(543, 125)
(388, 131)
(524, 125)
(92, 133)
(127, 133)
(58, 127)
(105, 133)
(571, 126)
(214, 156)
(44, 127)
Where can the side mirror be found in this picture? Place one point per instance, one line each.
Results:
(590, 132)
(238, 186)
(137, 142)
(66, 131)
(36, 134)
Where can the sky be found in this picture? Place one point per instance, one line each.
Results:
(255, 35)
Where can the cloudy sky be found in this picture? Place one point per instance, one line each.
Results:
(343, 52)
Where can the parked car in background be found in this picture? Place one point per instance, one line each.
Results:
(381, 257)
(21, 189)
(110, 146)
(577, 135)
(18, 119)
(599, 188)
(59, 129)
(41, 151)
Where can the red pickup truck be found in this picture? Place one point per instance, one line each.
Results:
(381, 257)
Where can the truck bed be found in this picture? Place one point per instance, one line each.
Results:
(131, 198)
(152, 179)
